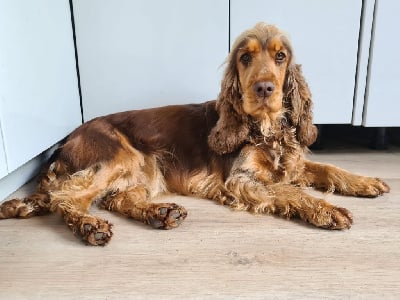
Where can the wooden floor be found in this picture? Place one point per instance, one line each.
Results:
(217, 253)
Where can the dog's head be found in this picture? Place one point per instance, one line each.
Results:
(262, 85)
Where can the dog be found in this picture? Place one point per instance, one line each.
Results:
(246, 150)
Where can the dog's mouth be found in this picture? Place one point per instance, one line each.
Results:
(265, 113)
(272, 104)
(258, 107)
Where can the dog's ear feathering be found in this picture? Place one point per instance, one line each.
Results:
(232, 128)
(298, 103)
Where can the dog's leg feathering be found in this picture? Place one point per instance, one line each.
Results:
(211, 187)
(288, 201)
(134, 203)
(331, 178)
(35, 205)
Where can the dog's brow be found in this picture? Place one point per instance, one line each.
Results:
(275, 43)
(253, 45)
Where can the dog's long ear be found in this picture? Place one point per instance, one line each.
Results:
(232, 127)
(298, 103)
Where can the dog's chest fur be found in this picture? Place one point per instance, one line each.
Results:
(282, 152)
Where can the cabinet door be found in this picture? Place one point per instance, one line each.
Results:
(382, 103)
(3, 162)
(39, 99)
(146, 53)
(324, 36)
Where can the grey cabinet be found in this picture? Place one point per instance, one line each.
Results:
(139, 54)
(39, 98)
(382, 103)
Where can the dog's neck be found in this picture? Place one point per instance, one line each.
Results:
(265, 131)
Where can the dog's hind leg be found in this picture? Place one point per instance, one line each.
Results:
(72, 200)
(134, 203)
(38, 203)
(34, 205)
(71, 196)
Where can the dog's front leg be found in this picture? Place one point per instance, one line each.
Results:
(134, 202)
(331, 178)
(287, 201)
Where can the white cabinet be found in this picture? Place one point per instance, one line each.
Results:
(324, 35)
(39, 98)
(145, 53)
(382, 98)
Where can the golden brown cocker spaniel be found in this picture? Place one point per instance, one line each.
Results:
(245, 150)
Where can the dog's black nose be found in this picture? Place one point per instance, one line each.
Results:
(263, 89)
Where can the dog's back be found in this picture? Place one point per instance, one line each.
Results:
(176, 133)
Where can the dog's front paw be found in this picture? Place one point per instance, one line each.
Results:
(166, 215)
(328, 216)
(372, 187)
(336, 218)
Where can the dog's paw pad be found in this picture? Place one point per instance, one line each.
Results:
(101, 237)
(87, 227)
(167, 216)
(156, 223)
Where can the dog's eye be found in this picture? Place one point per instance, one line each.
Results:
(280, 56)
(245, 59)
